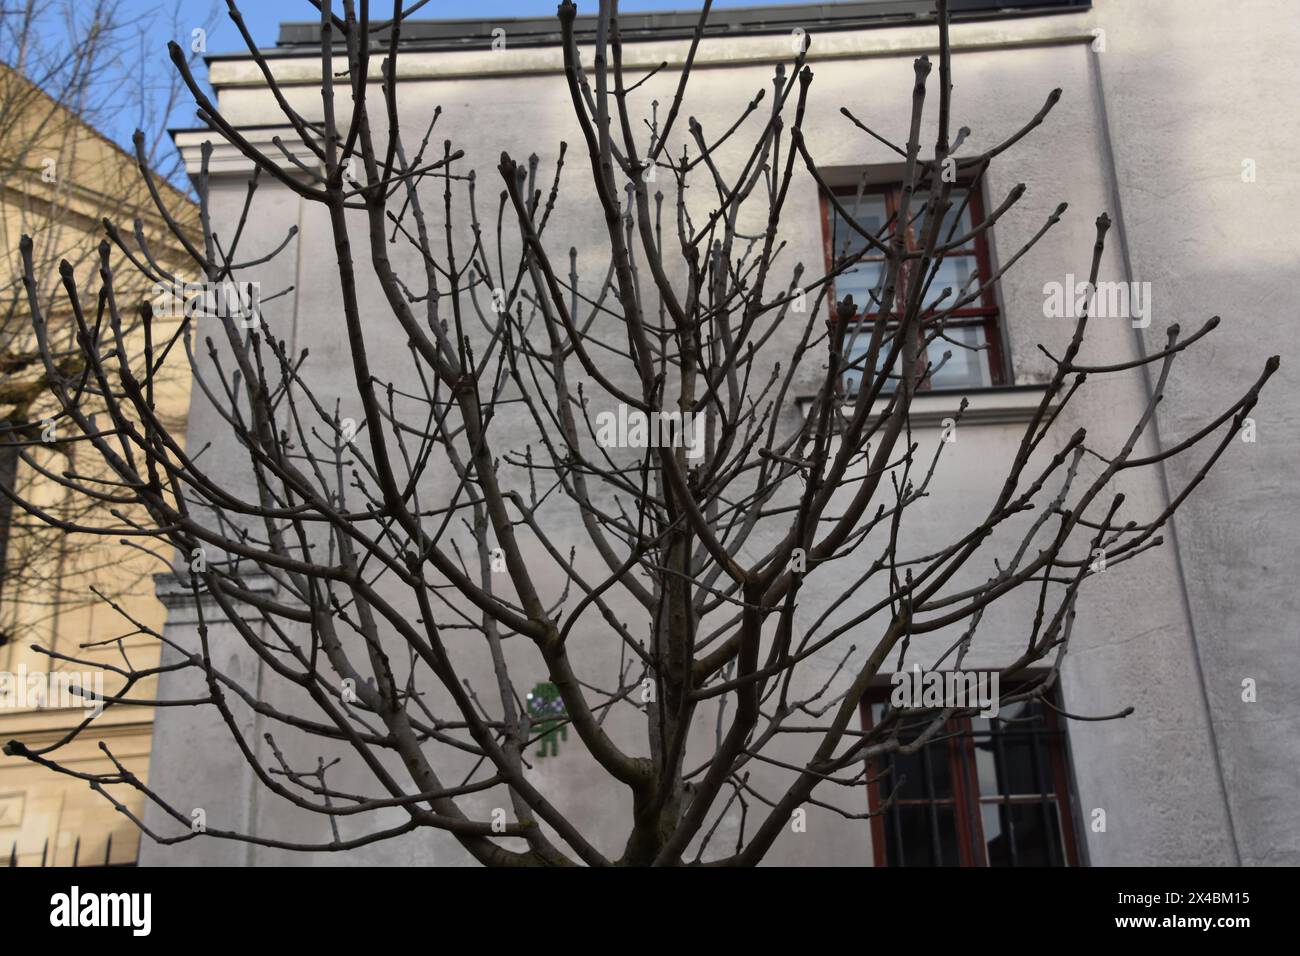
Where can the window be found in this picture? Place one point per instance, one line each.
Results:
(8, 479)
(985, 792)
(8, 476)
(972, 333)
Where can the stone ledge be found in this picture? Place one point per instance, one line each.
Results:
(173, 590)
(1005, 405)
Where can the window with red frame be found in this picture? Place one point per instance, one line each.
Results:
(972, 333)
(984, 792)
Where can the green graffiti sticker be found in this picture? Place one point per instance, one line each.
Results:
(546, 717)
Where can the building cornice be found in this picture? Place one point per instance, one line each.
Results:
(176, 594)
(301, 66)
(227, 160)
(681, 24)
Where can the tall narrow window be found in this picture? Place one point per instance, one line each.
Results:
(8, 478)
(985, 792)
(971, 333)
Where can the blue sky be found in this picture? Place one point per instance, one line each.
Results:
(263, 16)
(263, 19)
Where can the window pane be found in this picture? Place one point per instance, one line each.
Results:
(920, 785)
(1038, 836)
(956, 272)
(1012, 759)
(8, 477)
(860, 282)
(1018, 711)
(911, 833)
(1021, 771)
(869, 214)
(855, 347)
(967, 367)
(986, 767)
(957, 196)
(995, 838)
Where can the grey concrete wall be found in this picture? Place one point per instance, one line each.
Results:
(1155, 634)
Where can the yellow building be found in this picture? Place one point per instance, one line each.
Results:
(58, 179)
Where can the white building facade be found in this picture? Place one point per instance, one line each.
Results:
(1174, 121)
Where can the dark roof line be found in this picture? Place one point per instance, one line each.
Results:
(671, 25)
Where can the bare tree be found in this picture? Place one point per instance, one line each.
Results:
(359, 570)
(68, 72)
